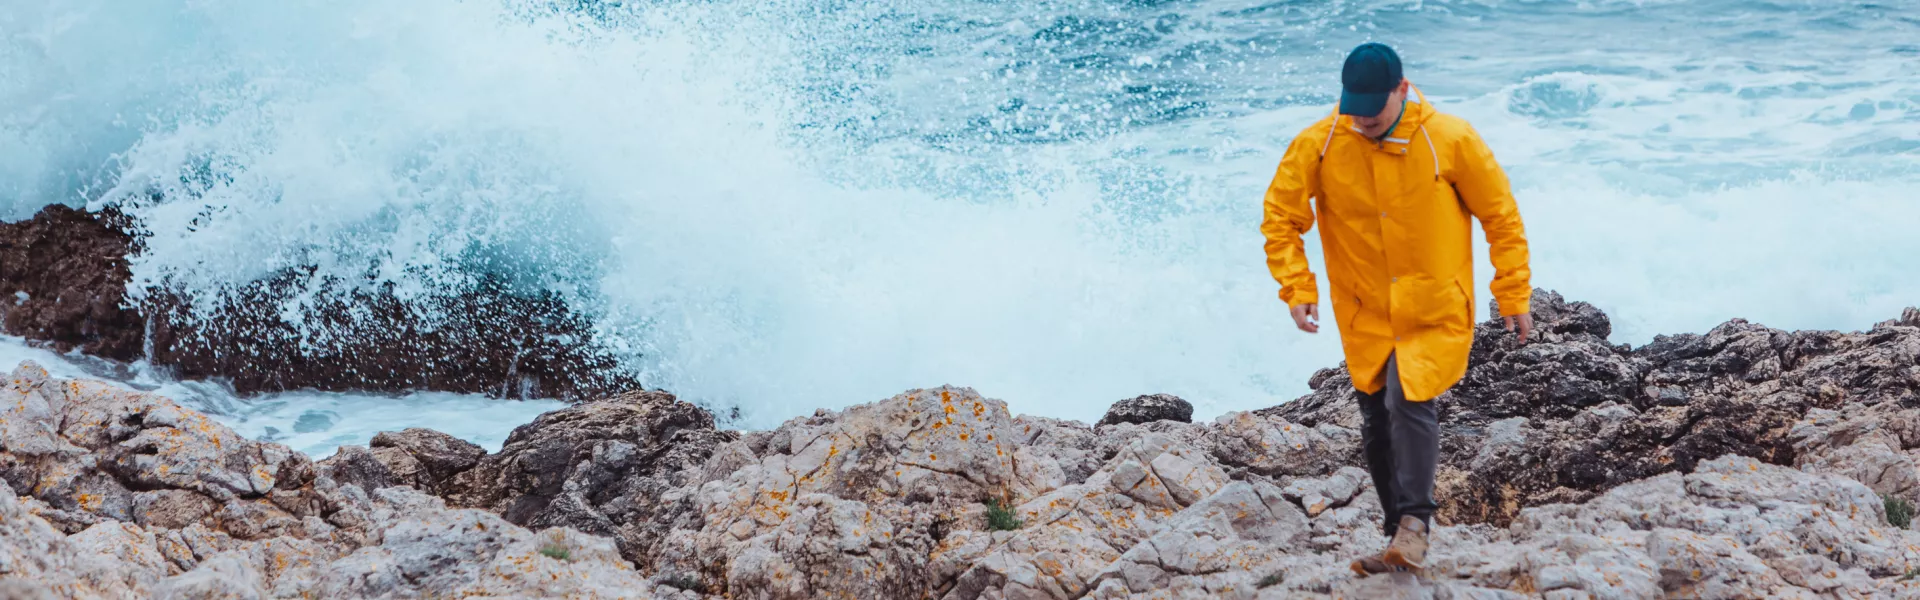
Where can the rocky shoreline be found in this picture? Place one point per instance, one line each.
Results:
(1743, 463)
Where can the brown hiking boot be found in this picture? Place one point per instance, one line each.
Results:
(1371, 565)
(1409, 546)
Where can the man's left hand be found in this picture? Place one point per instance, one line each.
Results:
(1523, 324)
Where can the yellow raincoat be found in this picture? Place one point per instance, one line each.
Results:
(1394, 227)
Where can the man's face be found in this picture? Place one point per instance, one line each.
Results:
(1376, 126)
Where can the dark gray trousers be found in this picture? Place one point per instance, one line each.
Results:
(1402, 440)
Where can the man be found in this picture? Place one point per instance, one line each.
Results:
(1395, 183)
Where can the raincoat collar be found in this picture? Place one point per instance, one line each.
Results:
(1416, 114)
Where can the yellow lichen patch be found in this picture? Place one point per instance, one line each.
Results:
(778, 496)
(931, 456)
(963, 436)
(89, 502)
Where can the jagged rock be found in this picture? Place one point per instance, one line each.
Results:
(1070, 447)
(1209, 548)
(1734, 528)
(603, 467)
(869, 490)
(355, 465)
(1877, 445)
(1079, 530)
(39, 558)
(1318, 495)
(83, 447)
(1909, 316)
(434, 551)
(1272, 446)
(1568, 367)
(424, 458)
(1408, 587)
(1147, 409)
(426, 550)
(217, 515)
(172, 509)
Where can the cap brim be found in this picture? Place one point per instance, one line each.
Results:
(1364, 105)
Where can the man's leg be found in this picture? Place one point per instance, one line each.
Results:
(1377, 440)
(1415, 428)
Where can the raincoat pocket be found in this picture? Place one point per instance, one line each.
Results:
(1466, 297)
(1346, 308)
(1436, 304)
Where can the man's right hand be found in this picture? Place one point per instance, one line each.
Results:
(1307, 317)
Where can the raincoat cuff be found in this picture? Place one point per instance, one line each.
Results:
(1516, 307)
(1299, 297)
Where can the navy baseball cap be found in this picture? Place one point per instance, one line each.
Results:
(1371, 74)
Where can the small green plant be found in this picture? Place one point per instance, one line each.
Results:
(1911, 573)
(556, 553)
(1276, 578)
(1899, 511)
(1000, 517)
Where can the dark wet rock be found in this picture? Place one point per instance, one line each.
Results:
(486, 339)
(63, 281)
(1567, 367)
(1147, 409)
(63, 276)
(601, 467)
